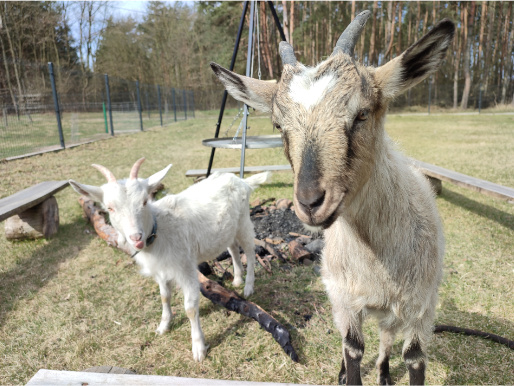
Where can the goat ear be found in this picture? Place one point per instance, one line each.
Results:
(93, 192)
(253, 92)
(418, 62)
(156, 178)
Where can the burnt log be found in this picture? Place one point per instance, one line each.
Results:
(210, 289)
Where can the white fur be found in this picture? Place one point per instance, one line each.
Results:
(307, 92)
(193, 226)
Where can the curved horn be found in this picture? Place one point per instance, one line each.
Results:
(348, 39)
(286, 52)
(106, 172)
(135, 168)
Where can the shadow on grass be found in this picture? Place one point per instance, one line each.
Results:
(472, 360)
(32, 273)
(502, 218)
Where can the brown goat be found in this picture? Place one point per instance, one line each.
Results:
(384, 238)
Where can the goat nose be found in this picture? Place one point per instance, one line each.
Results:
(311, 199)
(136, 236)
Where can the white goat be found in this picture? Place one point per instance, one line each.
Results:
(176, 233)
(384, 239)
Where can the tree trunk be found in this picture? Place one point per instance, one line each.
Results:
(7, 73)
(390, 29)
(458, 43)
(488, 45)
(400, 23)
(291, 24)
(39, 221)
(507, 53)
(371, 58)
(265, 38)
(285, 22)
(468, 25)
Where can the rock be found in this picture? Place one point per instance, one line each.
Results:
(298, 252)
(307, 262)
(315, 246)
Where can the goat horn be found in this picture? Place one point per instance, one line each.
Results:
(286, 52)
(106, 172)
(135, 168)
(348, 39)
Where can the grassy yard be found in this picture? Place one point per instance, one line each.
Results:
(72, 302)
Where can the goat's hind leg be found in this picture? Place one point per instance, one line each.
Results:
(415, 359)
(236, 262)
(386, 343)
(249, 248)
(167, 315)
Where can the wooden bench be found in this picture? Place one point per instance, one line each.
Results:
(435, 174)
(61, 378)
(33, 212)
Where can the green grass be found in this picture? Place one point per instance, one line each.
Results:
(72, 302)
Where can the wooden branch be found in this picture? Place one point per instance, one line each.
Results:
(233, 302)
(272, 251)
(210, 289)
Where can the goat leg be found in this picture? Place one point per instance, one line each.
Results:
(210, 289)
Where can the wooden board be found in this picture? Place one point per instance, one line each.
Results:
(27, 198)
(476, 184)
(61, 378)
(248, 169)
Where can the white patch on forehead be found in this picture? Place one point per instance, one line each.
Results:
(307, 92)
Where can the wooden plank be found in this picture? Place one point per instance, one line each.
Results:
(248, 169)
(27, 198)
(61, 378)
(476, 184)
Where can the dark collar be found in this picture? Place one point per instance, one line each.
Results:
(150, 239)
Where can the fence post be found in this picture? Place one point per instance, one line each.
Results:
(159, 97)
(139, 105)
(193, 102)
(147, 103)
(105, 118)
(56, 103)
(184, 98)
(429, 94)
(109, 107)
(174, 104)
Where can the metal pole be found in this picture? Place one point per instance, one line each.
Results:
(184, 99)
(56, 103)
(225, 93)
(109, 107)
(174, 104)
(429, 94)
(193, 102)
(248, 74)
(277, 21)
(160, 105)
(147, 104)
(105, 118)
(139, 108)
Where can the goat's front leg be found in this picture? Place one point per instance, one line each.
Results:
(415, 359)
(191, 290)
(167, 315)
(353, 345)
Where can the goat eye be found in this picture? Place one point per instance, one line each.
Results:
(277, 127)
(144, 202)
(363, 115)
(111, 210)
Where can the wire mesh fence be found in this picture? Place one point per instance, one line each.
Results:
(89, 107)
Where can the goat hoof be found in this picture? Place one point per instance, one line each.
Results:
(248, 291)
(237, 282)
(199, 352)
(161, 329)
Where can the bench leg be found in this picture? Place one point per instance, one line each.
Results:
(437, 184)
(39, 221)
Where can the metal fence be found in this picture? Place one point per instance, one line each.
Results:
(56, 108)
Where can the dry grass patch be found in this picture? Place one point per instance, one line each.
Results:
(72, 302)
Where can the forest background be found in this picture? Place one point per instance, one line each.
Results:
(171, 44)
